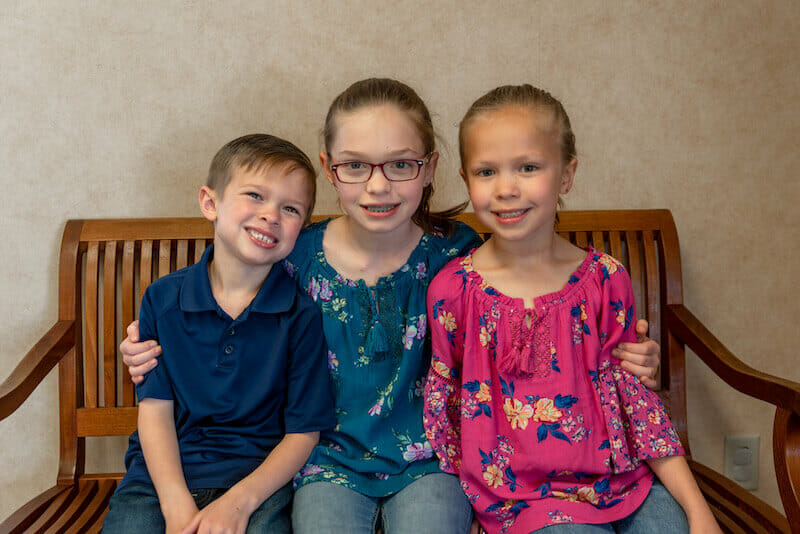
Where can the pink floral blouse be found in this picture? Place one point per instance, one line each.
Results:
(529, 408)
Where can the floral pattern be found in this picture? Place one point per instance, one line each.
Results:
(377, 336)
(504, 429)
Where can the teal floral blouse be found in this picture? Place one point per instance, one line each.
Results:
(379, 354)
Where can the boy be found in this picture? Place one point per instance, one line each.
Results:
(236, 405)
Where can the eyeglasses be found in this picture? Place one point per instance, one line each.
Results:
(398, 170)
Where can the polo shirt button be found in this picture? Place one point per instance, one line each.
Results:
(232, 332)
(228, 349)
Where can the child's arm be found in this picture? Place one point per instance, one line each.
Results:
(640, 358)
(441, 411)
(674, 473)
(232, 511)
(161, 454)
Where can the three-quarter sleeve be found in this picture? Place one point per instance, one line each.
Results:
(442, 408)
(639, 427)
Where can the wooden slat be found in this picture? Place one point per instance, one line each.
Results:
(736, 503)
(598, 242)
(145, 267)
(68, 516)
(164, 247)
(39, 511)
(615, 244)
(182, 254)
(635, 270)
(55, 510)
(153, 229)
(199, 248)
(581, 239)
(651, 284)
(91, 323)
(127, 298)
(97, 527)
(106, 421)
(565, 235)
(93, 508)
(109, 324)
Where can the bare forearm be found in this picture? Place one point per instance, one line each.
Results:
(161, 453)
(674, 473)
(285, 460)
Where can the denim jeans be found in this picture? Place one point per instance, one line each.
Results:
(432, 504)
(135, 508)
(659, 512)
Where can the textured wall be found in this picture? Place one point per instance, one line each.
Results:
(115, 109)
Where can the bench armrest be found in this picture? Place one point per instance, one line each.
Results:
(777, 391)
(44, 355)
(783, 394)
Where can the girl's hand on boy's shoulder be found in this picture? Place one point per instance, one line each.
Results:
(139, 358)
(640, 359)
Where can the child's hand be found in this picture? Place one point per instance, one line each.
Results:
(179, 514)
(476, 528)
(140, 358)
(640, 359)
(226, 514)
(704, 524)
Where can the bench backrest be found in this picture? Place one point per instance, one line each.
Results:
(105, 266)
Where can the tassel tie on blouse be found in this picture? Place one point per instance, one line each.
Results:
(377, 341)
(520, 360)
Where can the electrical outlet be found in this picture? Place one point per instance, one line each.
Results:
(741, 460)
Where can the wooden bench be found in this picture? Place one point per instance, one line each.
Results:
(105, 266)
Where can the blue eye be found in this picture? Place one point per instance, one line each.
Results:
(292, 209)
(529, 167)
(355, 165)
(253, 195)
(485, 173)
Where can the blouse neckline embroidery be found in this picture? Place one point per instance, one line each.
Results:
(404, 271)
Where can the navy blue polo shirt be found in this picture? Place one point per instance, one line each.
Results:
(238, 385)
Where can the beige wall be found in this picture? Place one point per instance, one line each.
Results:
(114, 109)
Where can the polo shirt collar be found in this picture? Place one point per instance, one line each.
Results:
(276, 294)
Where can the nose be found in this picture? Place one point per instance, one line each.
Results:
(270, 213)
(378, 183)
(506, 185)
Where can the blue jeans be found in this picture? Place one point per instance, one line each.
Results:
(135, 508)
(659, 512)
(432, 504)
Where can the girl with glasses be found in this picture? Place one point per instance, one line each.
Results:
(369, 271)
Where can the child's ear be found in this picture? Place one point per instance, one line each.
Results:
(208, 203)
(463, 177)
(568, 175)
(325, 163)
(430, 168)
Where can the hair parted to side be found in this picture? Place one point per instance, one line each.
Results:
(522, 96)
(260, 152)
(379, 91)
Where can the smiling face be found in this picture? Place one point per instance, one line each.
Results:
(259, 215)
(514, 171)
(376, 134)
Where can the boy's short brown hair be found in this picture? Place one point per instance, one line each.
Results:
(259, 152)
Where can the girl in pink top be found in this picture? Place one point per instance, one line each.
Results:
(524, 401)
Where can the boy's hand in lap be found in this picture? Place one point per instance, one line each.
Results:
(178, 514)
(228, 514)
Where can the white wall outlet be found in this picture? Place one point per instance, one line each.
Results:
(741, 460)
